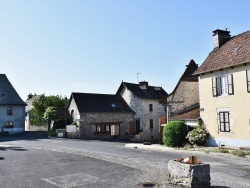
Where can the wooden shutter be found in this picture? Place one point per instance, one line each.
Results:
(214, 86)
(248, 80)
(230, 84)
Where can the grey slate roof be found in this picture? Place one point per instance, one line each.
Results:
(89, 102)
(8, 95)
(151, 92)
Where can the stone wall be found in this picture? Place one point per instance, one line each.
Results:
(141, 107)
(89, 121)
(186, 95)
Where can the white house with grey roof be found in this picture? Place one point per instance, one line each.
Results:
(144, 100)
(12, 107)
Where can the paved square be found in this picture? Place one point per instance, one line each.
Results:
(71, 180)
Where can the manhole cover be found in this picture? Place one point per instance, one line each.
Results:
(148, 184)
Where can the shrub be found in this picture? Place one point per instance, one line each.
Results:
(51, 133)
(59, 124)
(73, 123)
(240, 153)
(174, 133)
(198, 136)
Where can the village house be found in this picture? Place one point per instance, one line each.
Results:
(183, 103)
(224, 89)
(144, 100)
(100, 116)
(28, 114)
(12, 107)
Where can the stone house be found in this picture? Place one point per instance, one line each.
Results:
(224, 89)
(100, 116)
(28, 115)
(183, 102)
(12, 107)
(144, 100)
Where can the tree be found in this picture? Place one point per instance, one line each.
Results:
(49, 115)
(41, 104)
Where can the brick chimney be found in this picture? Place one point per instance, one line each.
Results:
(220, 37)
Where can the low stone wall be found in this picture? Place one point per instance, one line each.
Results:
(37, 128)
(189, 175)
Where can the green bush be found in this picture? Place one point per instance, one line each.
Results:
(4, 133)
(73, 123)
(59, 124)
(174, 133)
(51, 133)
(198, 136)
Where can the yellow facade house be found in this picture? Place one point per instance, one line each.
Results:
(224, 90)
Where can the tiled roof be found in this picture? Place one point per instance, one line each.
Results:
(150, 92)
(190, 113)
(234, 52)
(8, 95)
(88, 102)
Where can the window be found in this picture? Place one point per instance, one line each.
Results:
(103, 129)
(222, 85)
(248, 80)
(98, 129)
(9, 111)
(224, 121)
(151, 107)
(107, 128)
(8, 124)
(151, 123)
(115, 130)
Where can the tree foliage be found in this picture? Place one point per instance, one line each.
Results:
(174, 133)
(41, 104)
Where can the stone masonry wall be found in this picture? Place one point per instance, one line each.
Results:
(141, 107)
(187, 94)
(88, 128)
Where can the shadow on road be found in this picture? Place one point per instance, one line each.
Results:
(220, 187)
(12, 148)
(27, 135)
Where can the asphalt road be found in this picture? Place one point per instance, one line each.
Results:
(34, 160)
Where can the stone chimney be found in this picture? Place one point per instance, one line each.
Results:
(220, 37)
(29, 96)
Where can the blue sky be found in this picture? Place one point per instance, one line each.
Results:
(61, 46)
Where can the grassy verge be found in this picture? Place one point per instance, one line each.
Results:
(237, 152)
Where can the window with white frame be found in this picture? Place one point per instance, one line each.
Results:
(222, 85)
(224, 121)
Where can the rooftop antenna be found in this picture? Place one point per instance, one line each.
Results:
(138, 77)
